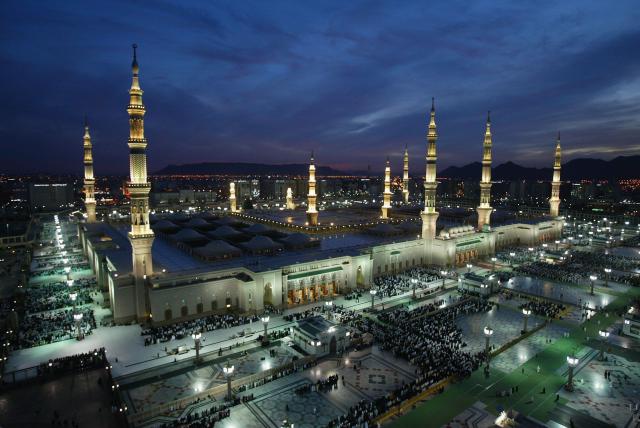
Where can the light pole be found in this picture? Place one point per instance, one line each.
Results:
(557, 243)
(443, 273)
(488, 331)
(469, 266)
(73, 297)
(373, 293)
(78, 319)
(493, 264)
(511, 256)
(196, 339)
(607, 272)
(265, 323)
(604, 335)
(228, 373)
(525, 312)
(593, 279)
(483, 288)
(572, 361)
(413, 283)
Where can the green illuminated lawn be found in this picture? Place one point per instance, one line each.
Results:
(443, 408)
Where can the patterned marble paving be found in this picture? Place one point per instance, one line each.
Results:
(475, 416)
(185, 384)
(607, 400)
(374, 376)
(506, 324)
(523, 351)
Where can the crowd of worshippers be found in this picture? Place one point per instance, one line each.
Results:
(54, 326)
(520, 255)
(544, 308)
(180, 330)
(321, 385)
(56, 295)
(401, 314)
(56, 267)
(392, 285)
(74, 363)
(600, 261)
(560, 273)
(203, 419)
(432, 343)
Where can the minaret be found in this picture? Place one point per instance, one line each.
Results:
(232, 197)
(554, 202)
(386, 196)
(405, 176)
(290, 204)
(89, 181)
(312, 213)
(484, 209)
(429, 214)
(141, 235)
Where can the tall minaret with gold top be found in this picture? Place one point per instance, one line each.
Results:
(429, 214)
(386, 196)
(554, 202)
(312, 212)
(484, 209)
(233, 206)
(89, 180)
(141, 235)
(405, 176)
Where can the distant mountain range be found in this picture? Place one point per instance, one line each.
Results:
(242, 168)
(576, 169)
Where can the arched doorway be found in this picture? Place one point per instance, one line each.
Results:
(332, 345)
(268, 294)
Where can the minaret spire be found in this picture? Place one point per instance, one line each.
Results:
(386, 196)
(89, 180)
(554, 202)
(141, 235)
(232, 197)
(405, 176)
(312, 212)
(484, 209)
(429, 214)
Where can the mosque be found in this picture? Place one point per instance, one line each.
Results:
(177, 269)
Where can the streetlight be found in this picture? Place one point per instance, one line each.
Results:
(526, 312)
(488, 331)
(607, 271)
(572, 361)
(265, 323)
(483, 288)
(78, 319)
(511, 256)
(73, 297)
(469, 266)
(604, 335)
(373, 293)
(228, 373)
(557, 242)
(413, 283)
(196, 339)
(443, 273)
(493, 264)
(593, 279)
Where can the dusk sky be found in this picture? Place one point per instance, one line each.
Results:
(269, 81)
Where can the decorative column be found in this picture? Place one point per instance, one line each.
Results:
(484, 209)
(554, 202)
(429, 215)
(312, 213)
(141, 235)
(232, 197)
(89, 180)
(405, 176)
(386, 196)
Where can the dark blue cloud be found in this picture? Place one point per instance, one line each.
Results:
(269, 81)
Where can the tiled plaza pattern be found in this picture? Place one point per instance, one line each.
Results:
(607, 400)
(559, 292)
(505, 322)
(186, 383)
(474, 417)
